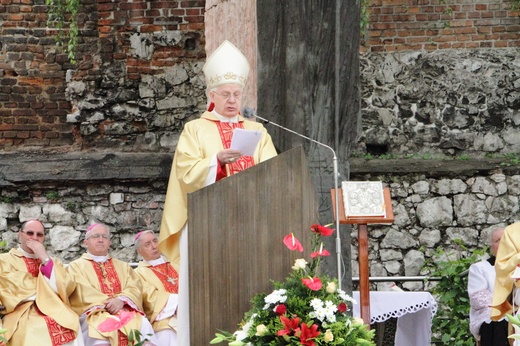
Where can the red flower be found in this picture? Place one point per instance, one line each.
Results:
(115, 322)
(324, 231)
(342, 307)
(308, 334)
(291, 325)
(292, 243)
(312, 283)
(322, 252)
(280, 309)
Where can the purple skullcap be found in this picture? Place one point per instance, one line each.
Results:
(139, 234)
(92, 226)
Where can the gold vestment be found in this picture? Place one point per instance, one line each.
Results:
(89, 294)
(23, 317)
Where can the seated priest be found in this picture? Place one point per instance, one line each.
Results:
(160, 287)
(34, 291)
(106, 286)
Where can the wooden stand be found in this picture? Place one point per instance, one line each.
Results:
(362, 222)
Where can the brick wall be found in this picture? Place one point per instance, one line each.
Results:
(404, 25)
(34, 73)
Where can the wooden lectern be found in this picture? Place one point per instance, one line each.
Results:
(236, 231)
(362, 222)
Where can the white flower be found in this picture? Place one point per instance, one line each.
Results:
(299, 264)
(328, 336)
(358, 320)
(331, 287)
(346, 297)
(325, 312)
(277, 296)
(261, 329)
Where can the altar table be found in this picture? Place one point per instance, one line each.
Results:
(414, 312)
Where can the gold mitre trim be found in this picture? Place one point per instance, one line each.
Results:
(227, 65)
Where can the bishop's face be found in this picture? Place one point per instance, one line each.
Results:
(227, 99)
(97, 241)
(149, 247)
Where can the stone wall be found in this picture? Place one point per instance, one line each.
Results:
(433, 207)
(137, 73)
(434, 204)
(442, 103)
(400, 25)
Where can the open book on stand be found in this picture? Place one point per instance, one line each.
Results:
(363, 198)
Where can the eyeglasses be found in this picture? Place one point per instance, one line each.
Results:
(227, 95)
(31, 233)
(97, 236)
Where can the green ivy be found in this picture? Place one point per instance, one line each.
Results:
(451, 322)
(62, 12)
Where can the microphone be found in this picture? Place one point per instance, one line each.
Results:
(250, 113)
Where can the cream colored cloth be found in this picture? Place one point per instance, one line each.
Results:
(22, 294)
(88, 300)
(508, 257)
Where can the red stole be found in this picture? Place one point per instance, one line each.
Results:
(107, 277)
(168, 276)
(57, 333)
(226, 133)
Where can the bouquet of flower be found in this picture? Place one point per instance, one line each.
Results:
(305, 309)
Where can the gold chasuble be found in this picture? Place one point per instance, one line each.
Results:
(200, 140)
(158, 282)
(507, 260)
(35, 313)
(98, 282)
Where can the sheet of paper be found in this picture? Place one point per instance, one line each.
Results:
(245, 141)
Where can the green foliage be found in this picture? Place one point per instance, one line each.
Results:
(3, 246)
(513, 159)
(302, 310)
(52, 196)
(62, 13)
(451, 323)
(365, 16)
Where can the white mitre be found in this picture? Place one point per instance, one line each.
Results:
(227, 65)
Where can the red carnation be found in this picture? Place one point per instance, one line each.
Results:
(280, 309)
(342, 307)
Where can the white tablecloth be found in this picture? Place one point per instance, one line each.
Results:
(414, 311)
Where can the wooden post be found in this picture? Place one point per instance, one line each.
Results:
(362, 222)
(364, 273)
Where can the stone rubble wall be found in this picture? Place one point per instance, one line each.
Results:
(442, 103)
(434, 213)
(431, 211)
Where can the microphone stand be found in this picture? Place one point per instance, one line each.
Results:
(336, 193)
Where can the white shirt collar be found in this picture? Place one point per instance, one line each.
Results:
(225, 119)
(99, 259)
(156, 262)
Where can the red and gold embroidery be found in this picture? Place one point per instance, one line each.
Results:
(122, 339)
(33, 265)
(58, 334)
(168, 276)
(226, 133)
(107, 277)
